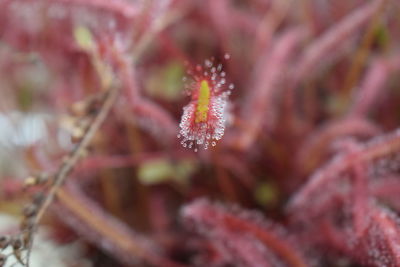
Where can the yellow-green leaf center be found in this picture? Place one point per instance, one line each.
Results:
(203, 102)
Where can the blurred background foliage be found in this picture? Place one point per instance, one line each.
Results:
(308, 74)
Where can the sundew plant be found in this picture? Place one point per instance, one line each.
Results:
(204, 118)
(180, 133)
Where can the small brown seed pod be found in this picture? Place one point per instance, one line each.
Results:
(27, 223)
(27, 236)
(42, 178)
(30, 210)
(4, 241)
(38, 198)
(36, 179)
(3, 259)
(17, 242)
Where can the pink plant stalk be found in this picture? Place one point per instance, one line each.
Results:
(232, 229)
(377, 151)
(90, 221)
(316, 147)
(369, 93)
(333, 38)
(260, 109)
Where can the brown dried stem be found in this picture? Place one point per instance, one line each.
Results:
(72, 160)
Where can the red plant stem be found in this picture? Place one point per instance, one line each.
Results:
(225, 184)
(105, 231)
(332, 38)
(387, 189)
(268, 26)
(239, 169)
(269, 240)
(314, 148)
(141, 106)
(377, 148)
(361, 55)
(384, 224)
(321, 48)
(369, 93)
(361, 197)
(145, 108)
(360, 211)
(261, 109)
(214, 218)
(219, 12)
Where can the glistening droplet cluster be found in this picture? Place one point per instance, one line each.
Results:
(205, 84)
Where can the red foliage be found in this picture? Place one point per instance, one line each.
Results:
(242, 238)
(307, 140)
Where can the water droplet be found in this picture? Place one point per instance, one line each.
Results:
(227, 56)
